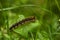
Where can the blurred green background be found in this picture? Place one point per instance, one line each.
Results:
(45, 27)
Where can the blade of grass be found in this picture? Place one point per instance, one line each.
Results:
(57, 4)
(10, 8)
(1, 27)
(32, 36)
(50, 33)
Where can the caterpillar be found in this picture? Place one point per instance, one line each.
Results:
(29, 19)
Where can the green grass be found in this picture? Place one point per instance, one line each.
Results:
(45, 27)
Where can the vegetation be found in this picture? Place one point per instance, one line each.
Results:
(45, 27)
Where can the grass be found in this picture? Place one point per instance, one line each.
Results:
(45, 27)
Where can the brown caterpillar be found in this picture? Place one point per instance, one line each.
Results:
(29, 19)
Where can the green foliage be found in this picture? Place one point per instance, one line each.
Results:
(45, 27)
